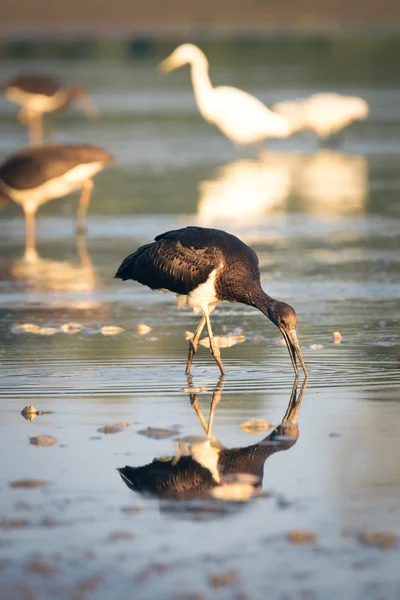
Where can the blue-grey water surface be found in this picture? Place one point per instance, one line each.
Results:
(325, 223)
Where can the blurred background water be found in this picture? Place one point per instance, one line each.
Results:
(325, 224)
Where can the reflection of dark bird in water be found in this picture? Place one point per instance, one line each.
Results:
(34, 176)
(38, 94)
(206, 465)
(205, 267)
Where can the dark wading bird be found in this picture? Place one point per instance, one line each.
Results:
(205, 267)
(34, 176)
(205, 465)
(39, 94)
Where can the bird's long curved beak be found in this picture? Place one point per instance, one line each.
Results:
(293, 347)
(87, 105)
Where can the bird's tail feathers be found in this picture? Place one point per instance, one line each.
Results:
(128, 267)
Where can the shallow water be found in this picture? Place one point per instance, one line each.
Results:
(325, 224)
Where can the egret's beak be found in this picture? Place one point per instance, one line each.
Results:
(293, 347)
(167, 65)
(87, 105)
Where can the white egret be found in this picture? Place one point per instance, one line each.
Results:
(241, 117)
(326, 113)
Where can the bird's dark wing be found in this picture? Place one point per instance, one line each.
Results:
(184, 479)
(34, 84)
(31, 167)
(171, 264)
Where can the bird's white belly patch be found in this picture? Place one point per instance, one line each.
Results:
(207, 456)
(35, 102)
(53, 188)
(204, 294)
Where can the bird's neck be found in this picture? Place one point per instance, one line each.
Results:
(263, 302)
(202, 85)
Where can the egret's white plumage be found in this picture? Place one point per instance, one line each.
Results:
(241, 117)
(245, 189)
(325, 113)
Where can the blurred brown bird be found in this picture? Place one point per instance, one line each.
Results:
(33, 176)
(38, 94)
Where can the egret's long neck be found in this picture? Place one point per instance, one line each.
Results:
(202, 85)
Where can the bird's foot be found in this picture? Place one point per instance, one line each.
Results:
(217, 355)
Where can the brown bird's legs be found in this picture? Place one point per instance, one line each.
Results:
(84, 201)
(34, 122)
(215, 398)
(213, 347)
(30, 237)
(194, 342)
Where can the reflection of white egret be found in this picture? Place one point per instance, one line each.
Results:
(38, 94)
(241, 117)
(325, 113)
(245, 189)
(332, 183)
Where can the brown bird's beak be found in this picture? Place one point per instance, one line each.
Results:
(292, 343)
(87, 105)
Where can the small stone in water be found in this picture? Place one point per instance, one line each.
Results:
(111, 330)
(42, 440)
(30, 412)
(158, 433)
(142, 329)
(223, 579)
(256, 425)
(278, 342)
(25, 327)
(302, 537)
(115, 428)
(28, 483)
(46, 331)
(316, 346)
(71, 327)
(120, 535)
(337, 337)
(383, 541)
(224, 341)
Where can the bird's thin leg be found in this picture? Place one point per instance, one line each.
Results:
(83, 254)
(194, 342)
(35, 126)
(84, 201)
(216, 397)
(48, 130)
(30, 235)
(196, 406)
(213, 347)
